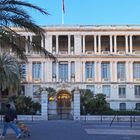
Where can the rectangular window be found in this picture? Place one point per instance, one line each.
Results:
(36, 70)
(36, 93)
(21, 90)
(105, 68)
(91, 88)
(63, 71)
(136, 70)
(89, 68)
(53, 69)
(121, 70)
(137, 91)
(73, 69)
(122, 106)
(106, 90)
(23, 72)
(122, 91)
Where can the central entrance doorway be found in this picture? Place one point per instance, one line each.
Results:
(64, 110)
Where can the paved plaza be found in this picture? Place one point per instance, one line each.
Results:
(77, 130)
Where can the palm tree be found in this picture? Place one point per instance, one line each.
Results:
(9, 73)
(13, 13)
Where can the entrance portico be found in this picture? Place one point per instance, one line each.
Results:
(64, 105)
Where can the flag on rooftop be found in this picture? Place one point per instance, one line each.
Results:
(63, 6)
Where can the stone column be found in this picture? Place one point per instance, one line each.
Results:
(111, 71)
(115, 71)
(83, 44)
(131, 71)
(110, 43)
(29, 73)
(46, 71)
(99, 64)
(126, 44)
(95, 44)
(69, 71)
(57, 44)
(96, 71)
(115, 44)
(31, 49)
(26, 45)
(44, 105)
(57, 71)
(99, 44)
(42, 73)
(84, 71)
(76, 105)
(131, 44)
(127, 71)
(69, 44)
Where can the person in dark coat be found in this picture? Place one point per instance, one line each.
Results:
(9, 117)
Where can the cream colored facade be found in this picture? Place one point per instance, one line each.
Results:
(113, 51)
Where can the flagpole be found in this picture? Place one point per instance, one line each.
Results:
(63, 11)
(62, 17)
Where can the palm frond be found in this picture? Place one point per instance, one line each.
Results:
(23, 3)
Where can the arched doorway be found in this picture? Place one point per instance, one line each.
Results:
(64, 105)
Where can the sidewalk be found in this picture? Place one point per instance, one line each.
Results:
(75, 130)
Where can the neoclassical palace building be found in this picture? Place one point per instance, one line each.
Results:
(104, 59)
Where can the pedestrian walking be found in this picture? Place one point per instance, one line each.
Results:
(9, 117)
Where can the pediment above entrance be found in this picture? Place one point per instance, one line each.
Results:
(63, 85)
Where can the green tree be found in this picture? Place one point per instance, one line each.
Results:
(91, 104)
(100, 104)
(51, 91)
(13, 13)
(86, 99)
(9, 73)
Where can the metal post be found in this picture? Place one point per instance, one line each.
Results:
(131, 121)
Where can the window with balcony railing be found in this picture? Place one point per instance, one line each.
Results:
(36, 71)
(63, 71)
(23, 72)
(136, 70)
(121, 71)
(89, 70)
(105, 70)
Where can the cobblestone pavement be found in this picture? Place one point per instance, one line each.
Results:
(75, 130)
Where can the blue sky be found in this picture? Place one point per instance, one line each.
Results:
(88, 12)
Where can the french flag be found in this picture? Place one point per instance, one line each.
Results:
(63, 6)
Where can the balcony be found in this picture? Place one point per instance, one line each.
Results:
(89, 80)
(105, 80)
(121, 52)
(63, 52)
(89, 52)
(137, 80)
(105, 52)
(36, 80)
(121, 80)
(136, 52)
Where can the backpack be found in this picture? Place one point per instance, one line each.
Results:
(7, 118)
